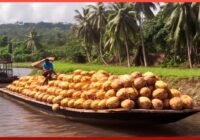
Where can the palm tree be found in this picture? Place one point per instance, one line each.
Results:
(196, 40)
(122, 26)
(183, 24)
(144, 10)
(32, 40)
(99, 20)
(84, 30)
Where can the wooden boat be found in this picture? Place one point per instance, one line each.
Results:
(108, 116)
(8, 79)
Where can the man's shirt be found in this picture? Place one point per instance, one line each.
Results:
(48, 66)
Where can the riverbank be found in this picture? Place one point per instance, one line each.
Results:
(63, 67)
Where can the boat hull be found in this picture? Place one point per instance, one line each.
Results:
(108, 116)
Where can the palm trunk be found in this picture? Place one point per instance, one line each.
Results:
(119, 57)
(142, 44)
(100, 49)
(189, 53)
(127, 52)
(87, 51)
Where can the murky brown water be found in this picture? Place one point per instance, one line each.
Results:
(19, 120)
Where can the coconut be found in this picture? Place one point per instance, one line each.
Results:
(71, 103)
(64, 102)
(112, 77)
(113, 102)
(77, 72)
(136, 74)
(187, 102)
(85, 87)
(116, 84)
(100, 94)
(139, 82)
(122, 94)
(77, 78)
(126, 80)
(79, 103)
(63, 93)
(84, 73)
(55, 107)
(132, 93)
(83, 95)
(91, 94)
(144, 103)
(44, 98)
(174, 93)
(40, 96)
(103, 72)
(110, 93)
(71, 85)
(107, 85)
(36, 94)
(57, 99)
(145, 91)
(97, 85)
(57, 91)
(157, 104)
(102, 104)
(161, 84)
(128, 104)
(94, 104)
(148, 74)
(64, 85)
(150, 79)
(91, 72)
(85, 79)
(56, 83)
(76, 95)
(176, 103)
(69, 93)
(166, 103)
(68, 78)
(160, 93)
(50, 99)
(87, 104)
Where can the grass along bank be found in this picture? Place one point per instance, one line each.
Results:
(63, 67)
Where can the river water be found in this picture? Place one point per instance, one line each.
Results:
(17, 119)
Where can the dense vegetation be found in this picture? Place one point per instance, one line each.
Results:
(116, 33)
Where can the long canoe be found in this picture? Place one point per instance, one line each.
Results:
(107, 116)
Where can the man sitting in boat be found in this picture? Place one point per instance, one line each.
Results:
(48, 70)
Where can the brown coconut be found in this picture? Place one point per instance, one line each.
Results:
(145, 91)
(160, 93)
(139, 82)
(174, 93)
(110, 93)
(113, 102)
(176, 103)
(144, 103)
(157, 104)
(87, 104)
(128, 104)
(187, 102)
(161, 84)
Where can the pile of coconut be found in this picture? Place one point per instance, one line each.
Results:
(101, 90)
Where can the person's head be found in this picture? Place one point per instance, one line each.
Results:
(46, 60)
